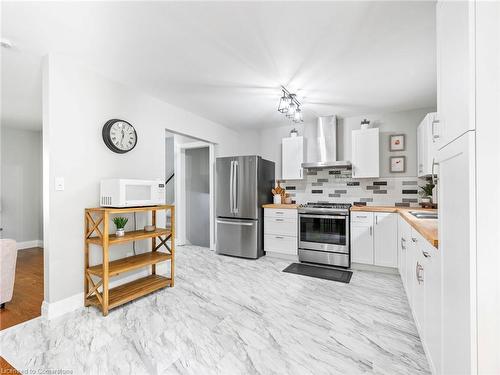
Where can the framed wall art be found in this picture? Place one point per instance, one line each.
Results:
(397, 164)
(397, 142)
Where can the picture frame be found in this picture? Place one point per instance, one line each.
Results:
(397, 164)
(397, 142)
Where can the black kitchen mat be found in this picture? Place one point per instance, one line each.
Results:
(320, 272)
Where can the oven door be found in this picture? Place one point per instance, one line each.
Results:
(324, 232)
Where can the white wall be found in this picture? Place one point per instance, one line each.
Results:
(404, 122)
(21, 199)
(76, 104)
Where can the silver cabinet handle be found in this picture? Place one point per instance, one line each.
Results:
(371, 230)
(376, 219)
(403, 247)
(234, 223)
(278, 237)
(426, 254)
(434, 134)
(414, 239)
(279, 220)
(279, 213)
(419, 268)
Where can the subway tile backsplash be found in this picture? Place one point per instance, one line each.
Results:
(339, 187)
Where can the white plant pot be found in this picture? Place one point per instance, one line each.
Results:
(120, 232)
(425, 200)
(277, 199)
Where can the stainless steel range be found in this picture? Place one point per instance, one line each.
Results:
(324, 236)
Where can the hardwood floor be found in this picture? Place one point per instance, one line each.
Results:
(27, 299)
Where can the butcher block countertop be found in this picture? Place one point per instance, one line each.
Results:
(280, 206)
(428, 228)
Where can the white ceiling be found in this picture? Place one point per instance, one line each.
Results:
(226, 60)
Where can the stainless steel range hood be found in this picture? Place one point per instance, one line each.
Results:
(322, 145)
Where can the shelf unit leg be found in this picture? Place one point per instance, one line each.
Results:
(172, 246)
(105, 264)
(86, 261)
(153, 240)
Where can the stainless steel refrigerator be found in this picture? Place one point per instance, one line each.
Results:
(243, 185)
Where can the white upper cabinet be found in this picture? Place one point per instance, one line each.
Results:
(426, 146)
(455, 70)
(292, 157)
(365, 153)
(385, 240)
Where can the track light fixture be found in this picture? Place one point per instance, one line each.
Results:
(290, 106)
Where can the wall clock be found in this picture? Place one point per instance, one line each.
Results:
(119, 135)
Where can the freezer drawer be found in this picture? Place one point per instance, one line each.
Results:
(239, 238)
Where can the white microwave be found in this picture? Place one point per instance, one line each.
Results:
(121, 192)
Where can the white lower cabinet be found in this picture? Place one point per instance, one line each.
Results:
(374, 238)
(421, 276)
(362, 237)
(280, 232)
(385, 239)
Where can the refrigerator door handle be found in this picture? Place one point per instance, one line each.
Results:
(236, 187)
(235, 223)
(231, 188)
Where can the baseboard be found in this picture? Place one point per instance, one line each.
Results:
(52, 310)
(29, 244)
(373, 268)
(290, 257)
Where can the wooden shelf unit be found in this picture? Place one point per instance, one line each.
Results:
(97, 228)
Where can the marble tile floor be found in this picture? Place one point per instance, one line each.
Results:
(233, 316)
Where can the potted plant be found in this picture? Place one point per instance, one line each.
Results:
(120, 223)
(426, 192)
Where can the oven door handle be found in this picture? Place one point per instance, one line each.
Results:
(324, 216)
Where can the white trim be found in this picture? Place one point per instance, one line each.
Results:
(29, 244)
(374, 268)
(52, 310)
(290, 257)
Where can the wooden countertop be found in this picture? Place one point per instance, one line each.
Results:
(281, 206)
(428, 228)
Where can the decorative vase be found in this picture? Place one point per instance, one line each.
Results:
(425, 200)
(277, 199)
(120, 232)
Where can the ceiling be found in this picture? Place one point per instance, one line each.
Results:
(226, 61)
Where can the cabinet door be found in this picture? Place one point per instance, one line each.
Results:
(421, 141)
(292, 157)
(365, 153)
(455, 70)
(385, 239)
(457, 247)
(418, 270)
(362, 243)
(432, 314)
(403, 240)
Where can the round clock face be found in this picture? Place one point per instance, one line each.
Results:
(119, 135)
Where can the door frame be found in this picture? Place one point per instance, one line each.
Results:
(180, 189)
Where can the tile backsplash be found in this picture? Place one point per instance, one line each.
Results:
(337, 186)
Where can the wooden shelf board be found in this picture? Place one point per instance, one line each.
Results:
(130, 263)
(132, 290)
(117, 210)
(131, 236)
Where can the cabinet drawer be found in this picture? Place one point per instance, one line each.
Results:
(287, 213)
(280, 244)
(362, 217)
(280, 226)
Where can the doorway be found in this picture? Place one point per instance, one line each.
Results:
(197, 196)
(189, 170)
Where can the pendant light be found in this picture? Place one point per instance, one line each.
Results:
(284, 103)
(297, 117)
